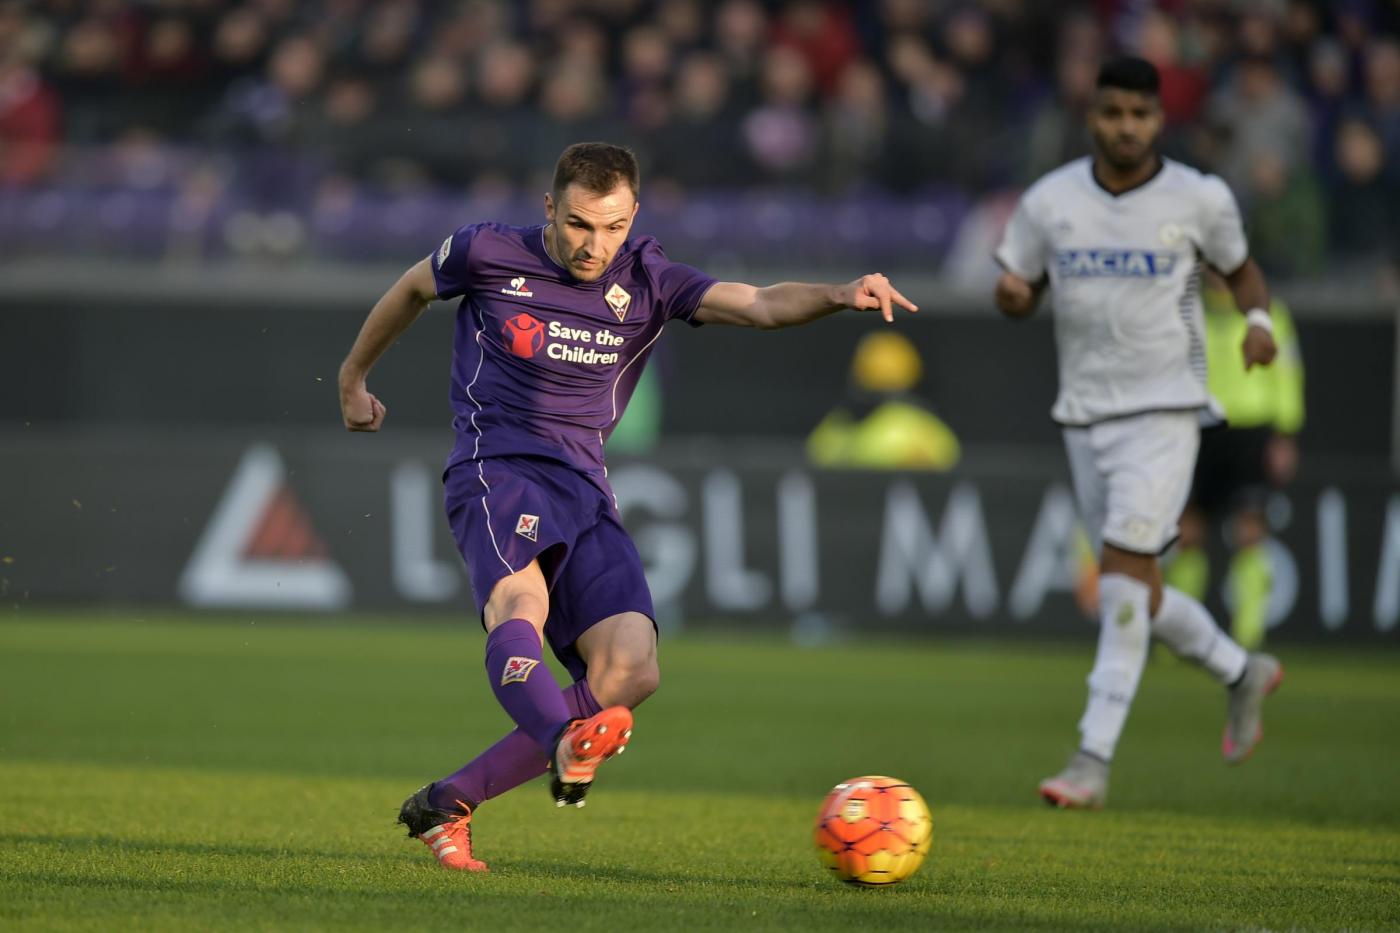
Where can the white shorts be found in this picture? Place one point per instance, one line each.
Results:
(1132, 477)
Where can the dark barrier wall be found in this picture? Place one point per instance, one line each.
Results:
(205, 358)
(329, 521)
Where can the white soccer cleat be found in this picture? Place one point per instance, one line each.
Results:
(1244, 712)
(1082, 785)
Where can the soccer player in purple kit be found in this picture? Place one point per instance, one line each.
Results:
(554, 327)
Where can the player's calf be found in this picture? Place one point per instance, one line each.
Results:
(582, 747)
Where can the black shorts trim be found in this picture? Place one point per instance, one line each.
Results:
(1136, 553)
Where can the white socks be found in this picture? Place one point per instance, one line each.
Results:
(1187, 628)
(1124, 634)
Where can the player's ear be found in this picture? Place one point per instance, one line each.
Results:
(549, 207)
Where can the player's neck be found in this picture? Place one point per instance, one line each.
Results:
(549, 248)
(1116, 181)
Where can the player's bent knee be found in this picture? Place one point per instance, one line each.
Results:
(625, 684)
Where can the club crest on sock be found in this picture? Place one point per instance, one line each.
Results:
(517, 670)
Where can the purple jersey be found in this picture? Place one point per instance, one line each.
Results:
(543, 364)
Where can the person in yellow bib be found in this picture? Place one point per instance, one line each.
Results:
(1241, 464)
(881, 425)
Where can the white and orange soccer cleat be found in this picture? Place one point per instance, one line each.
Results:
(1244, 710)
(448, 834)
(583, 745)
(1082, 785)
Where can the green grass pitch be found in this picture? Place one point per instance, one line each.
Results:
(235, 773)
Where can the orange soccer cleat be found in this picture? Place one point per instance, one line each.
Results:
(583, 745)
(448, 834)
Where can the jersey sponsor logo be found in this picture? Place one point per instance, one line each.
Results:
(443, 250)
(1114, 263)
(517, 288)
(524, 335)
(517, 670)
(618, 299)
(528, 527)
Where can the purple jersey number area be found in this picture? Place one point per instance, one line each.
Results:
(543, 364)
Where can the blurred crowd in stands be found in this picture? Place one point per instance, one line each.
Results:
(1295, 103)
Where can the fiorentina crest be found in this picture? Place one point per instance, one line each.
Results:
(517, 670)
(528, 527)
(618, 299)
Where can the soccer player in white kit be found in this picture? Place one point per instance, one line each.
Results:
(1119, 239)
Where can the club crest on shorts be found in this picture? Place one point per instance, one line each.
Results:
(517, 670)
(618, 299)
(528, 527)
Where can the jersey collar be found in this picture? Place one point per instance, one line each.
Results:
(1157, 173)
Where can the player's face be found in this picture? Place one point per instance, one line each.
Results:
(588, 228)
(1125, 126)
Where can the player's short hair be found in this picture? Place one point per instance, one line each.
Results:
(1130, 73)
(597, 167)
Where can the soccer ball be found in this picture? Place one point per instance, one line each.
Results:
(873, 830)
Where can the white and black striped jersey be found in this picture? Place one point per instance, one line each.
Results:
(1124, 278)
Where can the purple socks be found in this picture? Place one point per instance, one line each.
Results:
(509, 763)
(522, 684)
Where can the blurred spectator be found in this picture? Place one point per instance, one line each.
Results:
(1383, 97)
(505, 80)
(427, 135)
(702, 125)
(273, 109)
(1057, 130)
(1365, 229)
(780, 135)
(856, 119)
(1257, 115)
(1288, 226)
(824, 34)
(1184, 86)
(29, 115)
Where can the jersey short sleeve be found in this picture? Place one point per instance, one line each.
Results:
(1223, 242)
(680, 288)
(1023, 245)
(450, 263)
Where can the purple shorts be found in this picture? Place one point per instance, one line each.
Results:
(506, 511)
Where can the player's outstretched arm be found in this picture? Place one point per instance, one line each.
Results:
(1015, 296)
(791, 303)
(1251, 295)
(390, 317)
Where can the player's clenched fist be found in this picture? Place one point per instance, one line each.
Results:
(360, 410)
(1014, 295)
(1259, 347)
(875, 291)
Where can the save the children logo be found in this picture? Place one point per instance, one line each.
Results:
(524, 335)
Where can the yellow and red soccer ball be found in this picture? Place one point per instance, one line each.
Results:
(873, 830)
